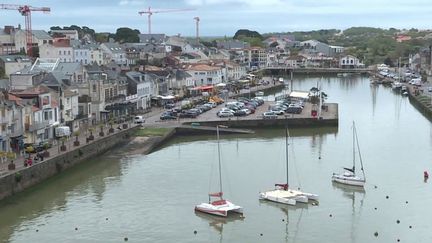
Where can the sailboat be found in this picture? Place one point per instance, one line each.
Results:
(349, 176)
(282, 193)
(220, 206)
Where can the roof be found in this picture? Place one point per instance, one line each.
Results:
(151, 38)
(33, 91)
(41, 34)
(15, 58)
(180, 74)
(69, 93)
(299, 94)
(203, 67)
(114, 47)
(4, 84)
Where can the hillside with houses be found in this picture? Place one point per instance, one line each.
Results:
(78, 78)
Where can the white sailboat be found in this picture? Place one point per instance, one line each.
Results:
(282, 193)
(220, 206)
(349, 176)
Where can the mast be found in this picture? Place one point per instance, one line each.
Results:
(219, 158)
(354, 138)
(286, 154)
(360, 158)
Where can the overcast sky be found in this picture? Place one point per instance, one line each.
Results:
(225, 17)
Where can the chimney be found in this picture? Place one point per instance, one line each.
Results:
(8, 29)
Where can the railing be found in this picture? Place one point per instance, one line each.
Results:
(37, 125)
(16, 132)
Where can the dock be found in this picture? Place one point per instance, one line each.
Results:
(197, 128)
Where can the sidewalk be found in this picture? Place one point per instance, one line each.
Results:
(55, 149)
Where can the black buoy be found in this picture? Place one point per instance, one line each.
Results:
(195, 232)
(126, 239)
(76, 228)
(261, 234)
(376, 208)
(398, 240)
(376, 234)
(283, 220)
(387, 197)
(410, 227)
(106, 218)
(38, 230)
(398, 221)
(319, 157)
(331, 215)
(406, 202)
(376, 187)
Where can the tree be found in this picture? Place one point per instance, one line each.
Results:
(247, 33)
(128, 35)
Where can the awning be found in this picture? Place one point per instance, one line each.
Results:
(299, 94)
(221, 85)
(202, 88)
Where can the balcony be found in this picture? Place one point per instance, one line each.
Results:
(16, 133)
(36, 126)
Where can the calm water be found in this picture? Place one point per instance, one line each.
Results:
(151, 198)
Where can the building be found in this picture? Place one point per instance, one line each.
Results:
(43, 115)
(14, 63)
(7, 44)
(60, 49)
(204, 74)
(255, 57)
(11, 123)
(39, 37)
(350, 62)
(139, 89)
(115, 53)
(69, 34)
(152, 38)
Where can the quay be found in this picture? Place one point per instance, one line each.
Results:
(283, 70)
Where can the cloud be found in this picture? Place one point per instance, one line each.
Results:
(131, 2)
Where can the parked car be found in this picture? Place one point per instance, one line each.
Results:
(294, 109)
(225, 114)
(188, 114)
(226, 109)
(277, 110)
(167, 116)
(212, 104)
(241, 112)
(139, 119)
(269, 115)
(169, 106)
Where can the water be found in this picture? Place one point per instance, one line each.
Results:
(151, 198)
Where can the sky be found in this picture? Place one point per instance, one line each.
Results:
(225, 17)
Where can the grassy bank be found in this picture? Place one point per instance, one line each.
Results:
(152, 131)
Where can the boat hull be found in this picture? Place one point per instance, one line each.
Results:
(220, 210)
(348, 180)
(289, 197)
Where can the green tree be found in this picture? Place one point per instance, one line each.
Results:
(126, 35)
(240, 34)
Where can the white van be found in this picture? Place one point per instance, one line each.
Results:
(63, 131)
(139, 119)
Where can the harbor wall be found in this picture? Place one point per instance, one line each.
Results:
(38, 172)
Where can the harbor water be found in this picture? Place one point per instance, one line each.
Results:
(151, 198)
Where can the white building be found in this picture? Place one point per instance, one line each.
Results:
(204, 74)
(350, 62)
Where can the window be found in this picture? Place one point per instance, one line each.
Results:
(60, 53)
(68, 52)
(94, 87)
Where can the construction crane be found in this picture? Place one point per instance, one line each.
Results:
(197, 20)
(25, 10)
(150, 12)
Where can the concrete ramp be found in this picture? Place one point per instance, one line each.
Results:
(196, 128)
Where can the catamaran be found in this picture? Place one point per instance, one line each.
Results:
(349, 176)
(220, 206)
(282, 193)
